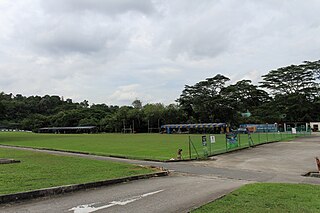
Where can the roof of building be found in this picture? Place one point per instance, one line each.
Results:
(201, 125)
(68, 128)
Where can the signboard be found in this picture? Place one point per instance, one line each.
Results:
(251, 129)
(294, 131)
(204, 140)
(232, 140)
(212, 139)
(204, 144)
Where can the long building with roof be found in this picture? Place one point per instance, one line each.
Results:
(170, 128)
(68, 130)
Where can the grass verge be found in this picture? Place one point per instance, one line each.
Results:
(39, 170)
(268, 197)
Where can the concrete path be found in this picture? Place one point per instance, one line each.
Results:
(191, 184)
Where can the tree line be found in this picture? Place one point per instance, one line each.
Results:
(286, 94)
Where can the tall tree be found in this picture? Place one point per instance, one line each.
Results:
(314, 66)
(293, 79)
(137, 104)
(203, 100)
(244, 96)
(295, 91)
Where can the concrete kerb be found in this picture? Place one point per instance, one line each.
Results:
(72, 188)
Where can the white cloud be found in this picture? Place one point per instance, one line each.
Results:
(115, 51)
(126, 93)
(110, 7)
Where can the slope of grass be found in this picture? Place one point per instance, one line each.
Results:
(268, 197)
(38, 170)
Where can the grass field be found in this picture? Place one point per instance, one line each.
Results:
(268, 197)
(38, 170)
(138, 146)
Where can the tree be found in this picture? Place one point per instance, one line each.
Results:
(2, 110)
(295, 91)
(34, 122)
(88, 122)
(84, 104)
(153, 114)
(203, 101)
(173, 114)
(48, 104)
(137, 104)
(67, 118)
(244, 96)
(314, 66)
(293, 79)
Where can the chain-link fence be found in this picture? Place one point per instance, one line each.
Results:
(203, 146)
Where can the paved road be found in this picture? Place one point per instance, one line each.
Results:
(176, 193)
(191, 184)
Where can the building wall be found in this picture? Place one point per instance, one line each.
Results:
(315, 126)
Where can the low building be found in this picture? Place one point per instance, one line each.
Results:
(185, 128)
(315, 126)
(68, 130)
(260, 127)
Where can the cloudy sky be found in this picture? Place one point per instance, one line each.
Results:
(114, 51)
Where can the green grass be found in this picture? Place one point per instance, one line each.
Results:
(140, 146)
(268, 197)
(38, 170)
(152, 146)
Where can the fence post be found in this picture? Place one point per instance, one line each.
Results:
(210, 145)
(189, 148)
(226, 142)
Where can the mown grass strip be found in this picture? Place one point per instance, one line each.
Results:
(267, 197)
(39, 170)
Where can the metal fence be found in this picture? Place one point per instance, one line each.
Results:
(203, 146)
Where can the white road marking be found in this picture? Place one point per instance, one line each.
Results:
(87, 208)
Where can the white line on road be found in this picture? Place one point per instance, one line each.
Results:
(87, 208)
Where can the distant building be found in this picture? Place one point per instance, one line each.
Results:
(315, 126)
(68, 130)
(179, 128)
(260, 127)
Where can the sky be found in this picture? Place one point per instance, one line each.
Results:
(116, 51)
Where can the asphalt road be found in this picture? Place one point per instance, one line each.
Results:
(176, 193)
(190, 184)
